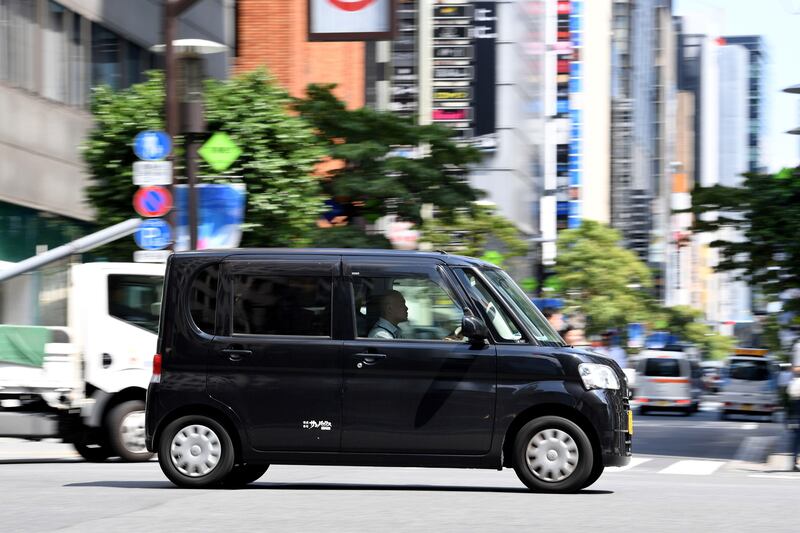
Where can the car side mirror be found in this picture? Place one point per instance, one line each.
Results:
(474, 329)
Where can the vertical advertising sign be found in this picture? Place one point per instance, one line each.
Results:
(485, 38)
(350, 20)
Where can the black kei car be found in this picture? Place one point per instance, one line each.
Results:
(372, 357)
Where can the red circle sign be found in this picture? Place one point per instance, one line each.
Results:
(351, 5)
(152, 201)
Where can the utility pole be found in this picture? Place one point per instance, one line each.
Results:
(172, 10)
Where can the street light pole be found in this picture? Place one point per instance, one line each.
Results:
(172, 10)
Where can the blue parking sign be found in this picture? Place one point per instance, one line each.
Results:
(153, 234)
(152, 145)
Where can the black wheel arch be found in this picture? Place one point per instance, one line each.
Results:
(211, 412)
(549, 409)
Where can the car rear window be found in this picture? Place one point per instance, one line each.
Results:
(749, 370)
(662, 367)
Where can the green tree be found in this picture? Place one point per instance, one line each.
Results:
(604, 281)
(373, 180)
(473, 231)
(686, 323)
(765, 212)
(279, 151)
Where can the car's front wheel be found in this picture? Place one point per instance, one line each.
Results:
(553, 454)
(242, 475)
(195, 452)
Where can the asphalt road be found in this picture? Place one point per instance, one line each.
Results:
(45, 487)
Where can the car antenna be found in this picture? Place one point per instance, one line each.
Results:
(442, 252)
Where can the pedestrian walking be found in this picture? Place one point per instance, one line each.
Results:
(793, 417)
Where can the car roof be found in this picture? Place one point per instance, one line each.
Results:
(453, 260)
(663, 354)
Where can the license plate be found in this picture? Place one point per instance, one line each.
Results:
(662, 403)
(630, 422)
(747, 407)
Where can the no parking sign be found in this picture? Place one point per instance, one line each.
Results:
(152, 201)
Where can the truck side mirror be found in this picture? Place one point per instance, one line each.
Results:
(474, 329)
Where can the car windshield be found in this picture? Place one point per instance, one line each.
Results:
(513, 295)
(749, 370)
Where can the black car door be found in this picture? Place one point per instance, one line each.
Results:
(278, 365)
(422, 391)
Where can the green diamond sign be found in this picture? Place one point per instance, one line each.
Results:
(220, 151)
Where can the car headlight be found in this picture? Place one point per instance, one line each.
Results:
(596, 376)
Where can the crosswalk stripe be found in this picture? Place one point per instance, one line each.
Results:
(635, 461)
(693, 468)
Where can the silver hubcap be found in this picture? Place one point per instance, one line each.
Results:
(195, 450)
(132, 432)
(552, 455)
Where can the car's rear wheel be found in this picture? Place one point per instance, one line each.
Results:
(723, 415)
(242, 475)
(195, 452)
(553, 454)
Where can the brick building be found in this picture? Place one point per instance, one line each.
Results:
(273, 33)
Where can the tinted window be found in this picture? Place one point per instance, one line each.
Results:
(749, 370)
(135, 299)
(203, 298)
(406, 307)
(665, 368)
(282, 305)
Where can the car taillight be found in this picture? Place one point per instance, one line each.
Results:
(644, 400)
(156, 378)
(684, 401)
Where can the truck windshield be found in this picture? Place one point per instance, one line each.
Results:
(513, 295)
(135, 299)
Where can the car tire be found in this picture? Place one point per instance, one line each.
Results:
(242, 475)
(195, 452)
(125, 423)
(688, 411)
(92, 449)
(597, 471)
(723, 415)
(553, 454)
(642, 410)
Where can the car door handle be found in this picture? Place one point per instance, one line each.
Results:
(369, 359)
(235, 354)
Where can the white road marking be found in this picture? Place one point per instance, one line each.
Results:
(693, 468)
(749, 425)
(635, 461)
(775, 476)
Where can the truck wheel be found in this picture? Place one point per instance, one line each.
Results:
(242, 475)
(553, 454)
(125, 423)
(94, 450)
(195, 452)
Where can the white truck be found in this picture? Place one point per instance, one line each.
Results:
(85, 383)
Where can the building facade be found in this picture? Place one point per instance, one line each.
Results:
(51, 55)
(756, 103)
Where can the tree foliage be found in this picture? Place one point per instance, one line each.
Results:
(604, 281)
(472, 232)
(765, 213)
(373, 179)
(686, 323)
(279, 151)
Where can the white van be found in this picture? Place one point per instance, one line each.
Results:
(668, 380)
(749, 384)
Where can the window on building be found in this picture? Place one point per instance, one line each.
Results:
(136, 299)
(106, 58)
(282, 305)
(55, 53)
(17, 32)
